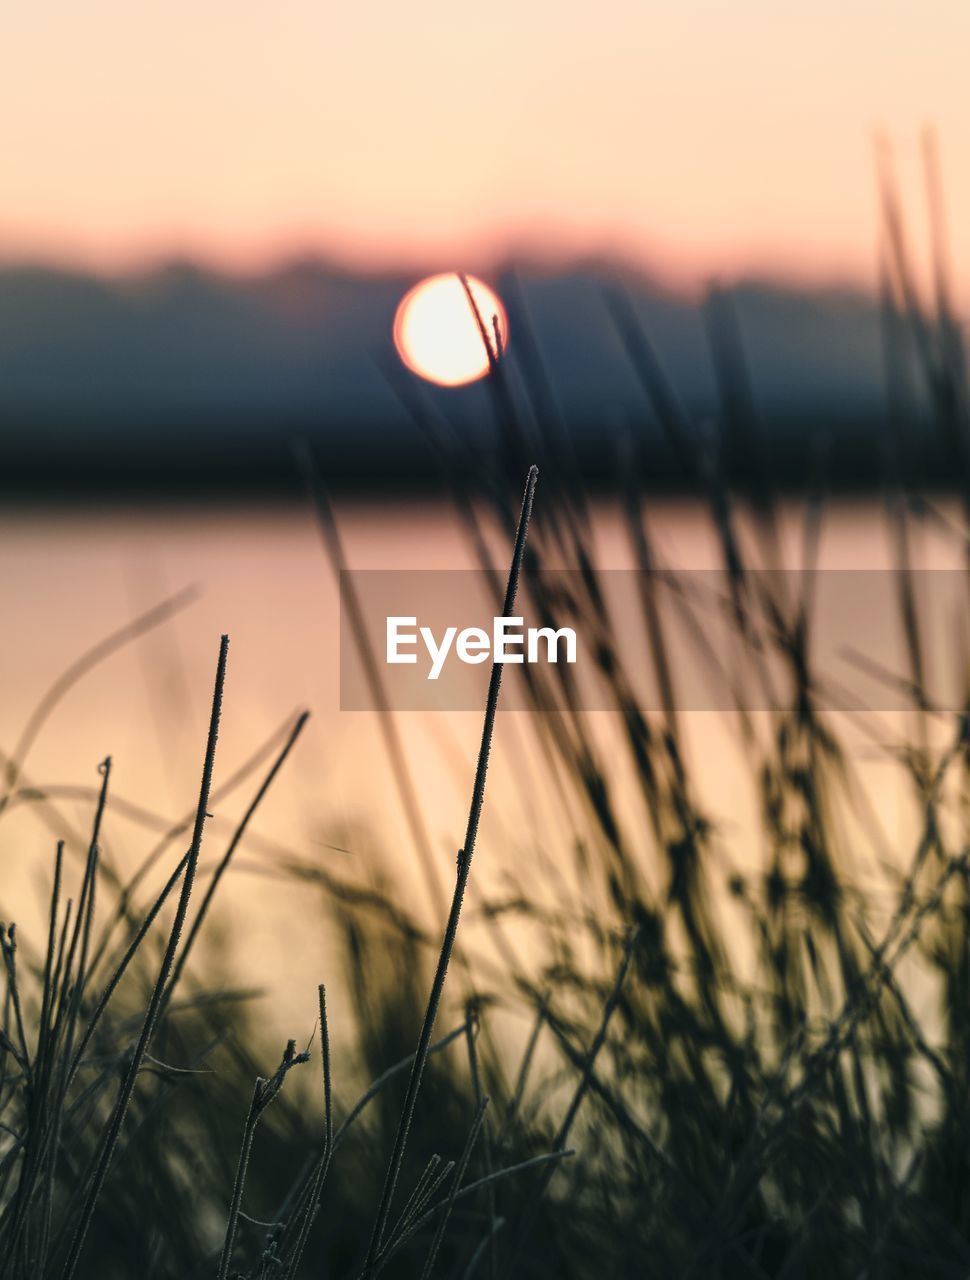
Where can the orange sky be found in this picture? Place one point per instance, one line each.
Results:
(698, 136)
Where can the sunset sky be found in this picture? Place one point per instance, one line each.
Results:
(694, 136)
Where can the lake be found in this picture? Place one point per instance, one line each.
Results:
(70, 578)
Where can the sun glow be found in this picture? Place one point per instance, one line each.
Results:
(437, 333)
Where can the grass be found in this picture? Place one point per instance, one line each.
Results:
(730, 1066)
(34, 1241)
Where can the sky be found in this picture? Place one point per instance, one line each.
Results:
(694, 137)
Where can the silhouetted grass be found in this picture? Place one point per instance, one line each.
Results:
(760, 1074)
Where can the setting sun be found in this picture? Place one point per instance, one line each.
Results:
(437, 334)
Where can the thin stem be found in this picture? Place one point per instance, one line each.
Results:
(374, 1089)
(476, 1257)
(576, 1102)
(419, 1196)
(159, 902)
(470, 1031)
(234, 843)
(546, 1158)
(148, 1027)
(122, 966)
(327, 1077)
(322, 1167)
(439, 1234)
(513, 1110)
(45, 1008)
(264, 1092)
(240, 1180)
(464, 867)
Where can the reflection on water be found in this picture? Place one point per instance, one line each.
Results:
(67, 580)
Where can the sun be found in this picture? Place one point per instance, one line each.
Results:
(437, 333)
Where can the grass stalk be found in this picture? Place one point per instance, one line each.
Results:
(464, 867)
(110, 1141)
